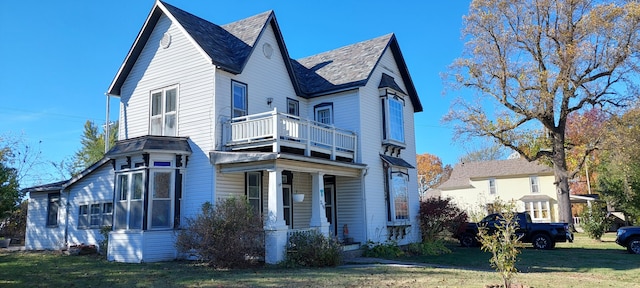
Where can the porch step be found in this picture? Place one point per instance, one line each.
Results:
(351, 250)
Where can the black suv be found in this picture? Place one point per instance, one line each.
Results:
(629, 237)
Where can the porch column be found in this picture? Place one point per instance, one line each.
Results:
(318, 213)
(275, 227)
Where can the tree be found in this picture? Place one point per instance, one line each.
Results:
(10, 193)
(487, 153)
(92, 149)
(541, 61)
(431, 173)
(619, 172)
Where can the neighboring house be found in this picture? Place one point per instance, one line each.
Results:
(475, 186)
(210, 112)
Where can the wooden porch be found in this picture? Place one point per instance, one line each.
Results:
(277, 132)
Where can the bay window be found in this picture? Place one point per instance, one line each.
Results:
(397, 195)
(129, 200)
(393, 118)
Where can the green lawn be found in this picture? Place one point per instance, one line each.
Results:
(585, 263)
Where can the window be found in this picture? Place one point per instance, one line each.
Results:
(539, 210)
(254, 191)
(52, 209)
(533, 180)
(129, 202)
(324, 113)
(163, 112)
(161, 191)
(239, 99)
(397, 193)
(393, 117)
(492, 186)
(95, 215)
(293, 107)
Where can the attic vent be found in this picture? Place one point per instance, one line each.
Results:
(165, 41)
(267, 50)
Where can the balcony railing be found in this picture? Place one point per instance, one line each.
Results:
(283, 130)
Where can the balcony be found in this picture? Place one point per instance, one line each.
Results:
(279, 132)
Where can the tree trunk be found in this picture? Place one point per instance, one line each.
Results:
(561, 180)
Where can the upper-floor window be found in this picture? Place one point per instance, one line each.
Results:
(163, 119)
(293, 107)
(492, 186)
(533, 180)
(393, 115)
(239, 99)
(52, 209)
(324, 113)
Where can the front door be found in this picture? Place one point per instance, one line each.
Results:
(330, 204)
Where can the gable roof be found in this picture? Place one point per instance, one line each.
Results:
(463, 173)
(229, 47)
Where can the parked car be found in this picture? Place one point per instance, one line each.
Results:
(541, 235)
(629, 237)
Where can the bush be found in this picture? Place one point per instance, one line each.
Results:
(595, 221)
(226, 235)
(439, 217)
(104, 243)
(432, 248)
(312, 249)
(503, 243)
(387, 250)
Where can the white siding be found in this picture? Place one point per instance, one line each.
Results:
(38, 236)
(349, 208)
(371, 139)
(94, 188)
(125, 246)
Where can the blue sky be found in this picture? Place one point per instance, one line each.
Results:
(59, 57)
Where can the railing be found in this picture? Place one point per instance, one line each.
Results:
(306, 231)
(290, 130)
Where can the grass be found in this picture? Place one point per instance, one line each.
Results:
(584, 263)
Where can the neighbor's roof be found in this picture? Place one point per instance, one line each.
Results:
(464, 172)
(229, 47)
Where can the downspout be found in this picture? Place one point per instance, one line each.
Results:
(363, 174)
(66, 221)
(107, 129)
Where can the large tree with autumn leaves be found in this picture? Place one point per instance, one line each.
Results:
(535, 63)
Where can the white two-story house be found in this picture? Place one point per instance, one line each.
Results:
(209, 112)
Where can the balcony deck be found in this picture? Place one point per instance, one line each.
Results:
(275, 132)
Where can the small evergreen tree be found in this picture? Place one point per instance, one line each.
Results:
(594, 220)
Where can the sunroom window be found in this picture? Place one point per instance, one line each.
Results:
(163, 120)
(129, 200)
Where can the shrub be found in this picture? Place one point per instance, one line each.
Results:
(104, 243)
(312, 249)
(503, 242)
(431, 248)
(389, 249)
(226, 235)
(439, 216)
(595, 221)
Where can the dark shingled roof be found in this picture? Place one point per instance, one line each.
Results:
(463, 172)
(388, 82)
(229, 47)
(395, 161)
(178, 145)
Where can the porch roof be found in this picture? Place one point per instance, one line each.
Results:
(177, 145)
(252, 161)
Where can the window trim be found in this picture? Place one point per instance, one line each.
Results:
(102, 215)
(245, 112)
(163, 113)
(53, 203)
(493, 189)
(321, 107)
(388, 127)
(260, 188)
(296, 104)
(152, 198)
(391, 195)
(534, 184)
(539, 206)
